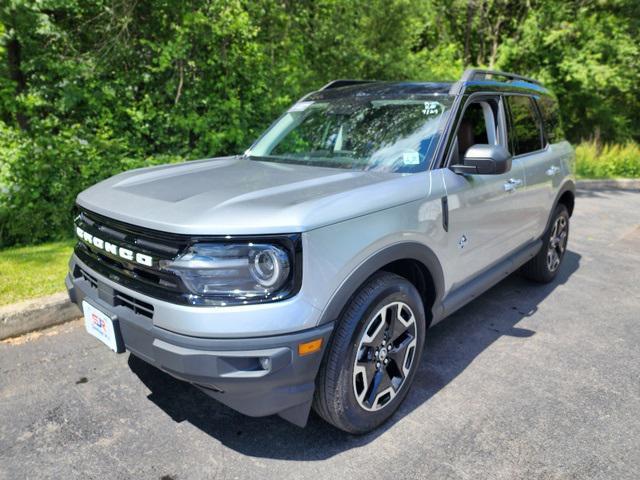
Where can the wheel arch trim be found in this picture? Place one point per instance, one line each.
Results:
(398, 251)
(567, 186)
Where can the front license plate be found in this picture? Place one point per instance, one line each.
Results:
(100, 325)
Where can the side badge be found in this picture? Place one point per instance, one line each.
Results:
(462, 242)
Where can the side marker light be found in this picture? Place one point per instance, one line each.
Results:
(308, 348)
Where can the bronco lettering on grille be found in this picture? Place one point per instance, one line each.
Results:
(113, 249)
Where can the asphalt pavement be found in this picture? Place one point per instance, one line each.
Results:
(527, 382)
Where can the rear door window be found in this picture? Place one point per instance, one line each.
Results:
(550, 119)
(525, 130)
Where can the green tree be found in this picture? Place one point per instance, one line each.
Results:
(588, 54)
(92, 88)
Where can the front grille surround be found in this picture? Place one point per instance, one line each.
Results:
(150, 280)
(162, 284)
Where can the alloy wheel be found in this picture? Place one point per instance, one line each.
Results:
(557, 243)
(384, 356)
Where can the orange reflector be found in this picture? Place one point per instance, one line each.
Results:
(309, 347)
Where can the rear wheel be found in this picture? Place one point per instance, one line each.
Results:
(545, 265)
(374, 353)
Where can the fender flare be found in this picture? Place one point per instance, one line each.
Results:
(568, 186)
(398, 251)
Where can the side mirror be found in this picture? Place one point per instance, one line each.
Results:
(484, 160)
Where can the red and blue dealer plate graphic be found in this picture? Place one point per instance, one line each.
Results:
(99, 325)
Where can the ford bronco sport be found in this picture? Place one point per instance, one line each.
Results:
(305, 272)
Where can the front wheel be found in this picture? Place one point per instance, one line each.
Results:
(545, 265)
(373, 356)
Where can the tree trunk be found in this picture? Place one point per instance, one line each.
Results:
(467, 33)
(495, 43)
(14, 63)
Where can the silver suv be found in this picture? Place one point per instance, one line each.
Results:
(305, 272)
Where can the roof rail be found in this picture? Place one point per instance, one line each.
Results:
(343, 83)
(480, 74)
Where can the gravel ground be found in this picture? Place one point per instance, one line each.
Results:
(526, 382)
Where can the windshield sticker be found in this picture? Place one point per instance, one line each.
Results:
(411, 158)
(300, 106)
(432, 108)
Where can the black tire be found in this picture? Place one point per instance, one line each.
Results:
(335, 398)
(540, 268)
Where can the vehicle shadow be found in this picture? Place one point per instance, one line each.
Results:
(451, 346)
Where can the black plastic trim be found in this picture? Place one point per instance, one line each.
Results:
(567, 186)
(471, 289)
(445, 213)
(471, 74)
(398, 251)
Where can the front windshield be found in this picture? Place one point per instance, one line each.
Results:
(388, 135)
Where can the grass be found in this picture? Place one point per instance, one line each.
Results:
(29, 272)
(594, 160)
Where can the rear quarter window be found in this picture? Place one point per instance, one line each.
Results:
(551, 119)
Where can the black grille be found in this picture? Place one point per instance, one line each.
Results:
(138, 306)
(150, 280)
(80, 273)
(115, 297)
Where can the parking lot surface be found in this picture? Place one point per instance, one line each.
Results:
(529, 381)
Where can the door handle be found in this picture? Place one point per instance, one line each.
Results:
(552, 170)
(512, 184)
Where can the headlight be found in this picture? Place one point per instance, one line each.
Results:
(233, 270)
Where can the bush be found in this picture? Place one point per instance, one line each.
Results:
(42, 174)
(608, 161)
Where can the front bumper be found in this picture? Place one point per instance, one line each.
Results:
(227, 369)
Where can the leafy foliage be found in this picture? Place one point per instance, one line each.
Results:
(91, 88)
(608, 161)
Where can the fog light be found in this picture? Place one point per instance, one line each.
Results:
(265, 363)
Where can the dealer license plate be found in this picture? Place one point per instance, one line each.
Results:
(100, 325)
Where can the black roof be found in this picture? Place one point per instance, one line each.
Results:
(473, 80)
(382, 89)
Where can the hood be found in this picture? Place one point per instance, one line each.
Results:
(237, 196)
